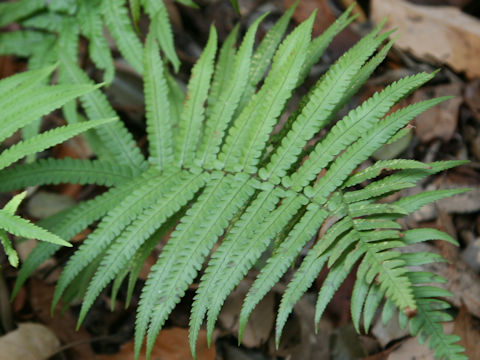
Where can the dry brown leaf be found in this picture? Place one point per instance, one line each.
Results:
(469, 331)
(458, 3)
(411, 350)
(62, 324)
(441, 120)
(443, 35)
(29, 342)
(171, 344)
(260, 323)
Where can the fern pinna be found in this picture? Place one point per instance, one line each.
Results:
(218, 167)
(23, 100)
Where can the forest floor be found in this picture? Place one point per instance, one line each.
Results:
(433, 34)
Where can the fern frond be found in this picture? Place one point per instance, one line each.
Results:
(225, 257)
(135, 6)
(377, 168)
(318, 46)
(68, 170)
(12, 255)
(121, 144)
(92, 27)
(133, 236)
(157, 106)
(427, 323)
(71, 221)
(423, 234)
(148, 188)
(193, 111)
(279, 262)
(414, 202)
(46, 140)
(262, 57)
(222, 112)
(250, 131)
(325, 96)
(223, 69)
(163, 32)
(351, 127)
(335, 278)
(181, 259)
(176, 96)
(381, 261)
(25, 80)
(207, 223)
(307, 273)
(13, 11)
(21, 227)
(11, 207)
(34, 103)
(232, 260)
(118, 23)
(45, 21)
(364, 147)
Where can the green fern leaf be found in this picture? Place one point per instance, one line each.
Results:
(326, 96)
(163, 32)
(69, 222)
(168, 280)
(23, 81)
(349, 129)
(281, 260)
(250, 130)
(193, 111)
(133, 236)
(157, 105)
(32, 104)
(262, 57)
(11, 207)
(92, 27)
(21, 227)
(114, 223)
(13, 11)
(118, 23)
(231, 263)
(222, 112)
(46, 140)
(223, 70)
(68, 170)
(121, 144)
(306, 273)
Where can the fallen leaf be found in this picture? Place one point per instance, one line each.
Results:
(171, 344)
(458, 3)
(388, 332)
(29, 342)
(411, 350)
(442, 35)
(441, 120)
(260, 323)
(468, 329)
(43, 204)
(62, 324)
(299, 339)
